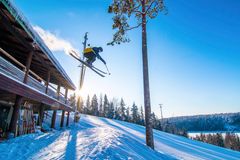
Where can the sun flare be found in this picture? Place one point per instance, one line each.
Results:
(82, 93)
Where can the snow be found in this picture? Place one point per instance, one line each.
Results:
(101, 138)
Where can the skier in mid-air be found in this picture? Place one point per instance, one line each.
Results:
(91, 53)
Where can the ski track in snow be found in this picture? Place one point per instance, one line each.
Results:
(101, 138)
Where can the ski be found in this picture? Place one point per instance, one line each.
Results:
(99, 70)
(96, 70)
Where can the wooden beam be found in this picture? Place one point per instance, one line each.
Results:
(63, 112)
(27, 67)
(11, 41)
(40, 114)
(58, 91)
(62, 118)
(15, 32)
(66, 95)
(53, 119)
(16, 108)
(55, 111)
(67, 123)
(47, 81)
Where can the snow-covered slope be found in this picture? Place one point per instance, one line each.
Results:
(100, 138)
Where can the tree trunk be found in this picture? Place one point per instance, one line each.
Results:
(147, 105)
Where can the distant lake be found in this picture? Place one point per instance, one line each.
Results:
(194, 134)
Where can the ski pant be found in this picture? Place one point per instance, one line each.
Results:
(91, 57)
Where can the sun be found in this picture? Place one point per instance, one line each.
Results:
(82, 93)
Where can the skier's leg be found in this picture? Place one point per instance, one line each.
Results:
(88, 57)
(94, 59)
(91, 58)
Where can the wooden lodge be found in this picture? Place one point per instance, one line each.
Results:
(29, 74)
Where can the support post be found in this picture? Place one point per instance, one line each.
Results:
(40, 115)
(47, 81)
(53, 119)
(55, 111)
(28, 64)
(16, 108)
(62, 118)
(19, 99)
(67, 123)
(63, 112)
(41, 108)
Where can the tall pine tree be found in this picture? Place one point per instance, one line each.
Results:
(105, 106)
(94, 105)
(122, 110)
(101, 106)
(87, 108)
(135, 114)
(143, 11)
(110, 113)
(128, 118)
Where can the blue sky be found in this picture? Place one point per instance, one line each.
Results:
(194, 52)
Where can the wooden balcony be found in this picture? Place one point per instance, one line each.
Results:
(34, 89)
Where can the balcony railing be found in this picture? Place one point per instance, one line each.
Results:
(12, 71)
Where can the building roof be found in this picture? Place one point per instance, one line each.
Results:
(20, 37)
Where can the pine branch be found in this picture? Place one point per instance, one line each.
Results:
(149, 7)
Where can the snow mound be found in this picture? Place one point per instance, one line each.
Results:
(101, 138)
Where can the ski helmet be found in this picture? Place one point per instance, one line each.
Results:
(100, 49)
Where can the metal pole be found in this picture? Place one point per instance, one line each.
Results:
(162, 123)
(82, 72)
(160, 105)
(83, 69)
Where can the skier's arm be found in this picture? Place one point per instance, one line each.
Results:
(95, 49)
(100, 58)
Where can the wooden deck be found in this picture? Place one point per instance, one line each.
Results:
(11, 71)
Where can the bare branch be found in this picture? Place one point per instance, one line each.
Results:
(128, 29)
(138, 12)
(136, 7)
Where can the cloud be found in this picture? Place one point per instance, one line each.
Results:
(54, 42)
